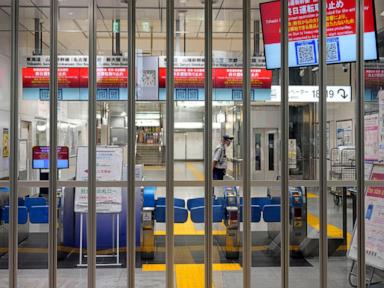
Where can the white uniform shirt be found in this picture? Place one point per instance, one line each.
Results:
(220, 157)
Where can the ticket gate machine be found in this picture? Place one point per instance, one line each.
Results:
(154, 210)
(232, 222)
(147, 233)
(297, 214)
(297, 219)
(148, 224)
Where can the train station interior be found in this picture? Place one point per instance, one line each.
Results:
(189, 118)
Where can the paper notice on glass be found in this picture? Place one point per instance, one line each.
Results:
(371, 136)
(380, 97)
(374, 223)
(109, 167)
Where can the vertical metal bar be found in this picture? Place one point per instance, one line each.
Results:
(360, 143)
(169, 143)
(52, 235)
(247, 253)
(208, 238)
(14, 140)
(323, 143)
(284, 145)
(92, 90)
(131, 234)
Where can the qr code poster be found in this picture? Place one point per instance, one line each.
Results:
(333, 50)
(306, 52)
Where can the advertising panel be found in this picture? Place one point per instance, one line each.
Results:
(75, 77)
(222, 78)
(40, 157)
(303, 32)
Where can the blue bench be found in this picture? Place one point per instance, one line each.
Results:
(22, 214)
(197, 214)
(161, 201)
(39, 214)
(35, 201)
(199, 202)
(271, 213)
(180, 214)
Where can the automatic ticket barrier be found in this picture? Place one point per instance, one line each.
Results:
(298, 215)
(232, 222)
(297, 218)
(147, 233)
(154, 211)
(148, 224)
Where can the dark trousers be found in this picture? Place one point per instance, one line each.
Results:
(218, 174)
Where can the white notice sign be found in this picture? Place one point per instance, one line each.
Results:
(306, 94)
(109, 167)
(374, 223)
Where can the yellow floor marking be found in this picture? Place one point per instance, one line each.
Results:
(215, 267)
(312, 195)
(187, 228)
(226, 267)
(189, 276)
(195, 171)
(332, 230)
(154, 168)
(153, 267)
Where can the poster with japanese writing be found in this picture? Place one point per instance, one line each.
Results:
(380, 97)
(371, 135)
(344, 133)
(374, 223)
(109, 167)
(5, 152)
(292, 154)
(303, 31)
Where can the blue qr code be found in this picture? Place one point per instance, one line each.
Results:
(306, 52)
(333, 50)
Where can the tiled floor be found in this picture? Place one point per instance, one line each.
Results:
(265, 277)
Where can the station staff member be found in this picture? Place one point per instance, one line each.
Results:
(219, 161)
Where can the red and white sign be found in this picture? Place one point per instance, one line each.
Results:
(374, 77)
(75, 77)
(304, 16)
(303, 26)
(222, 78)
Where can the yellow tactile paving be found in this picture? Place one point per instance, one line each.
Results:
(154, 168)
(191, 275)
(195, 172)
(312, 196)
(332, 230)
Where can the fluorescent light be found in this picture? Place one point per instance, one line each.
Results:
(143, 116)
(188, 125)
